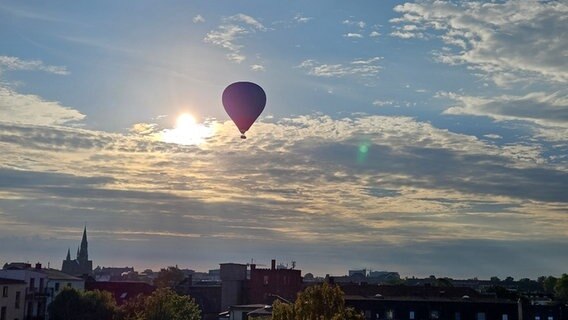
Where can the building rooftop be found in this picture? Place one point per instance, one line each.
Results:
(59, 275)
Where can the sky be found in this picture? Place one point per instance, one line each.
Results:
(424, 137)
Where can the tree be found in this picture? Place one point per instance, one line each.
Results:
(98, 305)
(561, 288)
(320, 302)
(503, 293)
(444, 282)
(133, 309)
(549, 283)
(495, 279)
(71, 304)
(163, 304)
(169, 277)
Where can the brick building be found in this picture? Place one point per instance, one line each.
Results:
(265, 285)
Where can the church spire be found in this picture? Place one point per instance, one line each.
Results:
(84, 240)
(83, 251)
(82, 265)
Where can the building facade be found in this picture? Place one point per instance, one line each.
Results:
(266, 285)
(12, 299)
(35, 293)
(41, 286)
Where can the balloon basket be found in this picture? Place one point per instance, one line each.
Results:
(243, 136)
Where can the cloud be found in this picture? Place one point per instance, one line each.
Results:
(400, 182)
(31, 109)
(492, 136)
(507, 41)
(382, 103)
(225, 37)
(235, 57)
(360, 24)
(233, 29)
(198, 19)
(247, 20)
(374, 34)
(538, 107)
(353, 35)
(358, 68)
(301, 19)
(368, 61)
(144, 129)
(15, 63)
(257, 67)
(407, 35)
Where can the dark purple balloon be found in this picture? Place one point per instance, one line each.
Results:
(244, 102)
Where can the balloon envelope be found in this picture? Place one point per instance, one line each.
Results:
(244, 102)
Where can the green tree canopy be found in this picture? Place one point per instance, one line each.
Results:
(549, 283)
(495, 279)
(561, 288)
(169, 277)
(71, 304)
(163, 304)
(320, 302)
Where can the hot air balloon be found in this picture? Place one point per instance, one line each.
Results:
(244, 102)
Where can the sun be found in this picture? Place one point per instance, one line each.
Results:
(185, 121)
(187, 131)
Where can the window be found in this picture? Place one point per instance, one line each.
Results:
(69, 284)
(5, 291)
(411, 315)
(57, 286)
(390, 315)
(536, 317)
(434, 314)
(457, 316)
(3, 313)
(41, 284)
(505, 317)
(550, 318)
(32, 283)
(17, 305)
(480, 316)
(265, 280)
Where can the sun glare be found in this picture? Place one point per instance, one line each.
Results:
(187, 131)
(185, 122)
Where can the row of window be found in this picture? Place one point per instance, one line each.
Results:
(32, 280)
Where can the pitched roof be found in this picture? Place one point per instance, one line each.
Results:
(58, 275)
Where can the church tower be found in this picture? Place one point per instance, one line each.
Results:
(81, 265)
(83, 255)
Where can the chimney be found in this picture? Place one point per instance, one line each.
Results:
(38, 266)
(252, 266)
(273, 264)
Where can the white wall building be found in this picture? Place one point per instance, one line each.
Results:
(41, 286)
